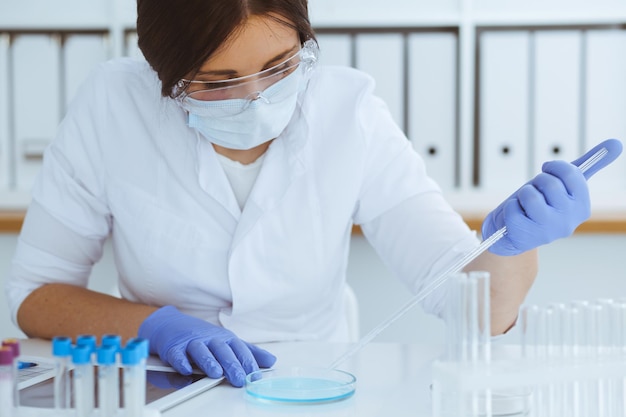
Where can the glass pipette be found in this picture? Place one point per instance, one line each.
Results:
(452, 269)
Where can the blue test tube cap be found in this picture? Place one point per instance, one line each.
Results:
(106, 355)
(143, 345)
(88, 340)
(61, 346)
(112, 340)
(81, 354)
(131, 354)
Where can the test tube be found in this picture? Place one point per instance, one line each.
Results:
(7, 382)
(532, 331)
(532, 326)
(144, 352)
(455, 331)
(83, 380)
(112, 340)
(582, 328)
(143, 347)
(619, 315)
(604, 349)
(133, 377)
(14, 345)
(89, 341)
(479, 331)
(108, 381)
(479, 293)
(468, 317)
(469, 336)
(62, 352)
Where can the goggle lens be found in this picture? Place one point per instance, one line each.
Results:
(249, 86)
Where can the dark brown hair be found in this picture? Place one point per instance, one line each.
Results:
(177, 36)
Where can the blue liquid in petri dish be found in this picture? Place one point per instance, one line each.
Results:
(300, 385)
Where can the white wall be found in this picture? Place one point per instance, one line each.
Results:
(583, 267)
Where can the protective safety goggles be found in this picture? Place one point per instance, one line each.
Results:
(249, 87)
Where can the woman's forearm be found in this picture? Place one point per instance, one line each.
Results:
(511, 279)
(68, 310)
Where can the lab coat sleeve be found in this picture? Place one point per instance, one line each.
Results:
(48, 252)
(71, 184)
(68, 220)
(418, 239)
(401, 210)
(391, 170)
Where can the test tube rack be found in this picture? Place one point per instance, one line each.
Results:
(131, 360)
(571, 360)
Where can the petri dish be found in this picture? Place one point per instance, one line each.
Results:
(300, 385)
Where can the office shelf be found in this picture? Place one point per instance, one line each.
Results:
(441, 65)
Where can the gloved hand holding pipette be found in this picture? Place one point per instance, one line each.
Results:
(181, 340)
(548, 207)
(541, 211)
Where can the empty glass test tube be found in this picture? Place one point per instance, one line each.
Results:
(619, 317)
(108, 381)
(569, 339)
(84, 388)
(62, 353)
(469, 318)
(468, 322)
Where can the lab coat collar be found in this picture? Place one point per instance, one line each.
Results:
(284, 162)
(212, 178)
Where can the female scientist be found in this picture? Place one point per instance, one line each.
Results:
(228, 171)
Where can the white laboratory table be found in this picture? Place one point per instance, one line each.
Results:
(392, 380)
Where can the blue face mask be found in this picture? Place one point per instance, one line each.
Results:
(246, 123)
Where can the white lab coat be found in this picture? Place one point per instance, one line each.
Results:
(126, 165)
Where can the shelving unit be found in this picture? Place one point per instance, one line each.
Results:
(446, 43)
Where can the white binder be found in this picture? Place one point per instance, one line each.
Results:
(557, 96)
(131, 47)
(37, 104)
(5, 157)
(81, 53)
(432, 113)
(381, 56)
(504, 103)
(44, 14)
(335, 49)
(539, 8)
(606, 106)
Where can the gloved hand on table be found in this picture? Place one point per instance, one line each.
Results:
(548, 207)
(181, 340)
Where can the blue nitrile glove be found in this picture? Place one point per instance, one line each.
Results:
(548, 207)
(180, 340)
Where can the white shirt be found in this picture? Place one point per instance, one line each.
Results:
(241, 176)
(126, 165)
